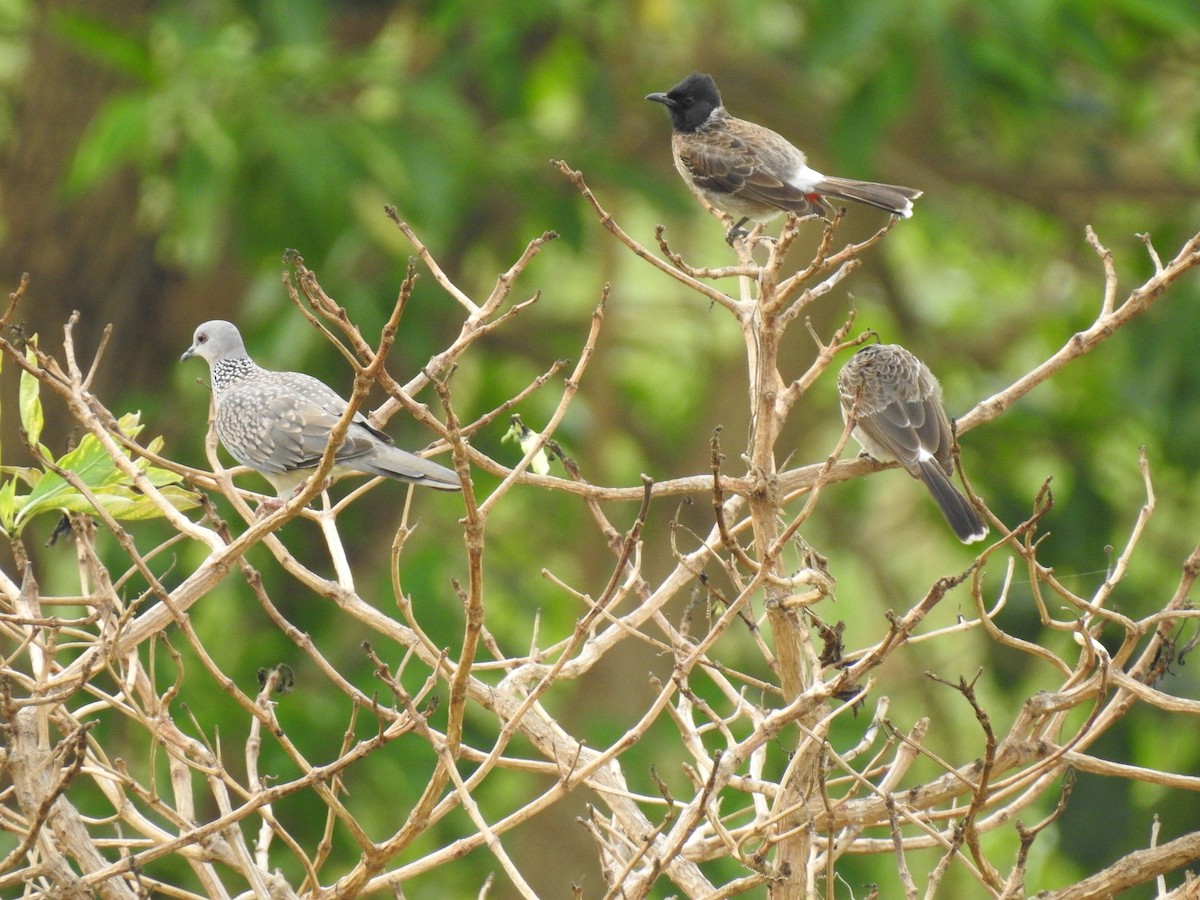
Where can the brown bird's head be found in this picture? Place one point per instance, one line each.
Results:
(690, 102)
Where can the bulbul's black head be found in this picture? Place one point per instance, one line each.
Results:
(690, 102)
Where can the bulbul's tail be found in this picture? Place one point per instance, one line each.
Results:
(959, 512)
(889, 197)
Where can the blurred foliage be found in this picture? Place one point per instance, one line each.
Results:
(255, 126)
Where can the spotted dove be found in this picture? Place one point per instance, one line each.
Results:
(278, 423)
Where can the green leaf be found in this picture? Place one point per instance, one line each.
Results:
(93, 465)
(129, 506)
(123, 503)
(30, 403)
(119, 134)
(118, 501)
(162, 477)
(122, 50)
(8, 506)
(90, 462)
(28, 474)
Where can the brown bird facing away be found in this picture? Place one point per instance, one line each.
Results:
(278, 423)
(750, 171)
(895, 405)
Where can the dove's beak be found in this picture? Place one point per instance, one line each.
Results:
(188, 353)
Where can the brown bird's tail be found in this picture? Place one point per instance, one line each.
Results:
(889, 197)
(959, 512)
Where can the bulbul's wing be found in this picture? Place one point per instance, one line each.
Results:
(917, 434)
(906, 427)
(749, 161)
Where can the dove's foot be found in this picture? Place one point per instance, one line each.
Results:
(268, 506)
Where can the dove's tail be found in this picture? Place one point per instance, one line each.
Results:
(392, 462)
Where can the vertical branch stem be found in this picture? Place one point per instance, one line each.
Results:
(795, 661)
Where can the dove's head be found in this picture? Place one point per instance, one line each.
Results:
(215, 341)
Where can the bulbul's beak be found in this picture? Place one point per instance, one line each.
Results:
(659, 97)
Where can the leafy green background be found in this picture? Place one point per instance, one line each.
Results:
(228, 131)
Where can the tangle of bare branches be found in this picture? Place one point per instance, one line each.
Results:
(792, 764)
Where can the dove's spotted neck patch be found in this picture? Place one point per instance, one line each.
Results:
(227, 372)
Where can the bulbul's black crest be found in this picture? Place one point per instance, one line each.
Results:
(690, 102)
(750, 171)
(896, 406)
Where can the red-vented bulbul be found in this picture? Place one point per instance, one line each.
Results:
(750, 171)
(895, 405)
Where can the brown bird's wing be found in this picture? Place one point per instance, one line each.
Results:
(749, 161)
(904, 427)
(896, 406)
